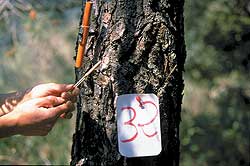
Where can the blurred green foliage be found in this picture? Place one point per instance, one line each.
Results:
(38, 47)
(54, 149)
(37, 41)
(216, 116)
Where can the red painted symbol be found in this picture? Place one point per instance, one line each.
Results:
(130, 122)
(138, 98)
(142, 125)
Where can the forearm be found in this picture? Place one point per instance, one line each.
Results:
(9, 101)
(3, 97)
(6, 103)
(7, 126)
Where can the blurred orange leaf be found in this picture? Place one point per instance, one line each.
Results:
(32, 14)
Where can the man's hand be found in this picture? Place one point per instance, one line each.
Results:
(9, 101)
(36, 111)
(66, 91)
(52, 89)
(37, 116)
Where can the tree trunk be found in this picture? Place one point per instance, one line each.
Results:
(141, 45)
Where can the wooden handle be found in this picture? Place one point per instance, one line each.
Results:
(85, 26)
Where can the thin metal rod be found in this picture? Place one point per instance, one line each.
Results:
(87, 73)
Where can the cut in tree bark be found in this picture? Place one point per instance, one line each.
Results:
(141, 45)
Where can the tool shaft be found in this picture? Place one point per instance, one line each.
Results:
(86, 74)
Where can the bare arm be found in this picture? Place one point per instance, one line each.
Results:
(7, 126)
(9, 101)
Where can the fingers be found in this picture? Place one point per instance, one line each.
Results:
(57, 106)
(49, 101)
(76, 91)
(63, 108)
(71, 95)
(59, 98)
(67, 91)
(53, 89)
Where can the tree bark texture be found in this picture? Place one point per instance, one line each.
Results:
(141, 45)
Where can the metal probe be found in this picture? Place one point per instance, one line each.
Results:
(86, 74)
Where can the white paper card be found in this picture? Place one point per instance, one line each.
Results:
(138, 123)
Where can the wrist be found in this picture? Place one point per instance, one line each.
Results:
(8, 102)
(22, 96)
(8, 125)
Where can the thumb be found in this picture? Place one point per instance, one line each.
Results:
(63, 108)
(49, 101)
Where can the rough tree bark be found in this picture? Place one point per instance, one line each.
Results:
(141, 43)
